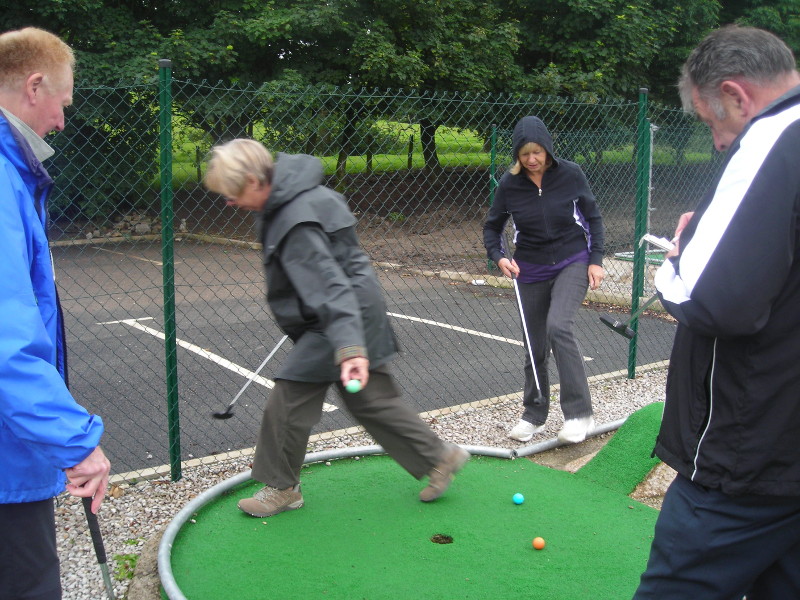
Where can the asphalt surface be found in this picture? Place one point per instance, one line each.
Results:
(461, 343)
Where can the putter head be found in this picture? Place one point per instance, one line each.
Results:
(620, 327)
(223, 414)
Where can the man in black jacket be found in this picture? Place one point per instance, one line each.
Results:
(326, 297)
(730, 522)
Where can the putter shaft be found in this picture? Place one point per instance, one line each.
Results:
(227, 413)
(99, 547)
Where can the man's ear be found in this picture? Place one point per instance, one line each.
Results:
(737, 98)
(33, 86)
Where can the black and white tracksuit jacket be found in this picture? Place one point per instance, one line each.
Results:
(732, 412)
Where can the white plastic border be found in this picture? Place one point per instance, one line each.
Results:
(165, 547)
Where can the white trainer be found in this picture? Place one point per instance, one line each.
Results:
(576, 430)
(523, 431)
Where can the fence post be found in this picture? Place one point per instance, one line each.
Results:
(168, 258)
(643, 134)
(490, 266)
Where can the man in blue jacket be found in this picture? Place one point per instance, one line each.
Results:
(730, 522)
(47, 441)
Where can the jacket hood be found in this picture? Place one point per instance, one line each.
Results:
(293, 174)
(531, 129)
(17, 150)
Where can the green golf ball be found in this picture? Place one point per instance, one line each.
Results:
(353, 386)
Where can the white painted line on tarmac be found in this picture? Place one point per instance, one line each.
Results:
(482, 334)
(456, 328)
(132, 256)
(223, 362)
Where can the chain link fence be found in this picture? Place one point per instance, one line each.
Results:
(163, 285)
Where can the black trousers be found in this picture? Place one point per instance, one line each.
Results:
(29, 568)
(712, 546)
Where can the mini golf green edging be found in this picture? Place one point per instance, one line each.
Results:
(556, 443)
(169, 584)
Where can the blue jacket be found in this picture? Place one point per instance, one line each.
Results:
(42, 429)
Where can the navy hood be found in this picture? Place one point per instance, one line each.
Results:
(531, 129)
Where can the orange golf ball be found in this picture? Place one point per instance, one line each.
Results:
(538, 543)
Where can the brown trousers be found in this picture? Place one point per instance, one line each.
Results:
(294, 407)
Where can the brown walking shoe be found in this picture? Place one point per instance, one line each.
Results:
(441, 476)
(270, 501)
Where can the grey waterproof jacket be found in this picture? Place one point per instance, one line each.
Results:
(321, 286)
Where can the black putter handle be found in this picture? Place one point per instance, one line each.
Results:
(94, 529)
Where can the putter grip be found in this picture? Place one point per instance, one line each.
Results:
(94, 529)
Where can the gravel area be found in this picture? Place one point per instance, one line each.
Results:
(137, 512)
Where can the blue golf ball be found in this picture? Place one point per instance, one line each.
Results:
(518, 498)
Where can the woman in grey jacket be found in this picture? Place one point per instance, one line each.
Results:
(326, 297)
(558, 235)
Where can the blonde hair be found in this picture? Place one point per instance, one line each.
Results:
(32, 50)
(232, 162)
(529, 147)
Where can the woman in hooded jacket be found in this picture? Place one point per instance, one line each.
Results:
(558, 241)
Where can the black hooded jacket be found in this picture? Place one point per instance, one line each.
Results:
(552, 223)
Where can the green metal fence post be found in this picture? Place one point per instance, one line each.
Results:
(643, 134)
(490, 266)
(168, 258)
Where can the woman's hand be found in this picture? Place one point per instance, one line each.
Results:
(596, 276)
(355, 368)
(508, 267)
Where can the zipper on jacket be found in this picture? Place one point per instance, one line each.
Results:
(710, 409)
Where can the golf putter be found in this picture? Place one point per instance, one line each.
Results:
(538, 398)
(506, 247)
(228, 412)
(622, 327)
(99, 547)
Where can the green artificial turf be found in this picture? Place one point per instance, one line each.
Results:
(363, 533)
(626, 459)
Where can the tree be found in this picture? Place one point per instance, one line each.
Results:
(592, 48)
(433, 46)
(691, 22)
(781, 17)
(580, 48)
